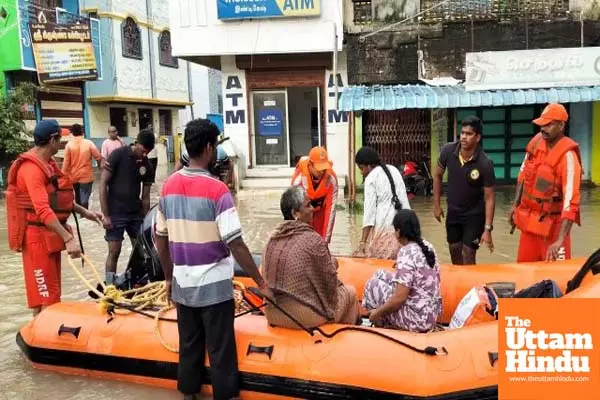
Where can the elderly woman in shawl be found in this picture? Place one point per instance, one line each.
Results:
(301, 272)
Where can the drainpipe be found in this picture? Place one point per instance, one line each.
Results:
(335, 61)
(151, 51)
(190, 95)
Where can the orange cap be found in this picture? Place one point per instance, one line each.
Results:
(318, 157)
(552, 112)
(64, 132)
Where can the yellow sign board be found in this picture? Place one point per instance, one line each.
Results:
(63, 52)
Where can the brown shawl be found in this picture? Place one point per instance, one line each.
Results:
(297, 263)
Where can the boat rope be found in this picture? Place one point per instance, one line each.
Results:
(151, 297)
(429, 350)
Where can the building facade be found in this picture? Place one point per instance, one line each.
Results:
(206, 93)
(61, 93)
(413, 82)
(282, 65)
(142, 85)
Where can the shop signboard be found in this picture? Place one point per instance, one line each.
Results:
(63, 53)
(533, 69)
(251, 9)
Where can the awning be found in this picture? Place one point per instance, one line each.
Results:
(395, 97)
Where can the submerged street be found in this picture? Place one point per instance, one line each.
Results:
(259, 213)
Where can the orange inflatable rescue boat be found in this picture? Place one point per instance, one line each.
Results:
(334, 362)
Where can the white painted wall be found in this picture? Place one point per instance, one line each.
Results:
(235, 117)
(133, 75)
(197, 19)
(171, 83)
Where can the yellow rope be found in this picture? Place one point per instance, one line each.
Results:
(150, 296)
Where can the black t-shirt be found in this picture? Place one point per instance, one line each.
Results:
(127, 173)
(466, 182)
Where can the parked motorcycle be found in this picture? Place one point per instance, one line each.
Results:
(417, 178)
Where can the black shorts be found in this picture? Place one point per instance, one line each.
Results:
(121, 224)
(465, 229)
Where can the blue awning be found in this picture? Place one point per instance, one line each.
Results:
(395, 97)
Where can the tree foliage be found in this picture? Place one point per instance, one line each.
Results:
(13, 132)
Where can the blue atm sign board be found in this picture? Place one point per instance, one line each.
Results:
(250, 9)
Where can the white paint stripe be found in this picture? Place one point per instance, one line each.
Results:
(568, 195)
(62, 105)
(68, 121)
(200, 275)
(523, 163)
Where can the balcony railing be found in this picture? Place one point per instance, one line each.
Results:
(477, 10)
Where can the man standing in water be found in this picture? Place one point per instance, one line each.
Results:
(125, 170)
(111, 144)
(315, 174)
(547, 199)
(470, 197)
(39, 201)
(198, 237)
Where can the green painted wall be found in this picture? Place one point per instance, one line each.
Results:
(10, 43)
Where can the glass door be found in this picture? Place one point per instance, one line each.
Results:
(271, 139)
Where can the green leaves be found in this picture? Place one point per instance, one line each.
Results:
(13, 133)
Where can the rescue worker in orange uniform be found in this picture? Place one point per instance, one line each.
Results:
(547, 200)
(39, 200)
(315, 174)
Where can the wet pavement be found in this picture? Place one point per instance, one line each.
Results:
(259, 213)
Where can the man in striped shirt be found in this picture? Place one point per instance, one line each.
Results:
(198, 236)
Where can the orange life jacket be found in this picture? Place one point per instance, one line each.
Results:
(20, 212)
(542, 199)
(316, 195)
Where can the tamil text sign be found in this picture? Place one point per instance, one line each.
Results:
(527, 69)
(63, 52)
(248, 9)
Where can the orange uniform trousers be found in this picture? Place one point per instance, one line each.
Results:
(534, 248)
(41, 267)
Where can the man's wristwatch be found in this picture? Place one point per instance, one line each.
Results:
(489, 227)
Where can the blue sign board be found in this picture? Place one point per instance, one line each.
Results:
(247, 9)
(270, 122)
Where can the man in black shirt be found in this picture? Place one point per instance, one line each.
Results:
(470, 197)
(122, 175)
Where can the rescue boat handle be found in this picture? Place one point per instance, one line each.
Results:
(429, 350)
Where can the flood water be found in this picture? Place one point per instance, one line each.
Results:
(259, 213)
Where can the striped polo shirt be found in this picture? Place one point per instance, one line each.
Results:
(197, 213)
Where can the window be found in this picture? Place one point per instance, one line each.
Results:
(93, 15)
(131, 39)
(165, 123)
(165, 56)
